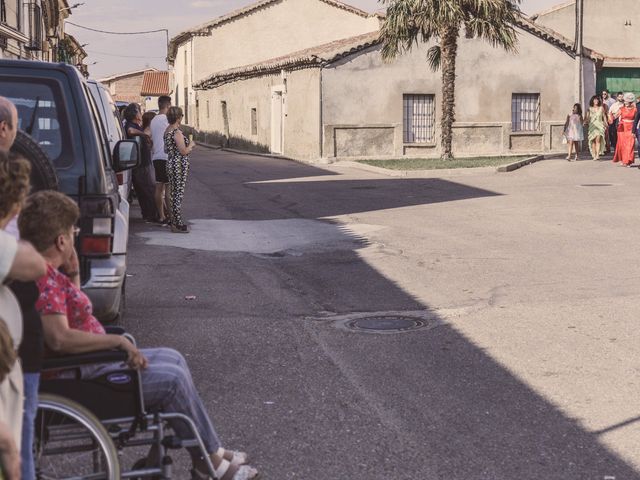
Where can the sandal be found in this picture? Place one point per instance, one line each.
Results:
(236, 458)
(179, 228)
(225, 471)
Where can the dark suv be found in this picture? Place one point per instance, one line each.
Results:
(56, 109)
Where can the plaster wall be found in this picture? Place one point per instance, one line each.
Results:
(301, 113)
(182, 77)
(272, 31)
(604, 25)
(362, 92)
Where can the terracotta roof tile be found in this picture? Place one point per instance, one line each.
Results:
(155, 84)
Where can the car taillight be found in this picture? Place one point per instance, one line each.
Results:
(120, 177)
(92, 245)
(96, 226)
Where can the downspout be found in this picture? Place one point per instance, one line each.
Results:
(321, 99)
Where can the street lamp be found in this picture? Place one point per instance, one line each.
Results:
(76, 5)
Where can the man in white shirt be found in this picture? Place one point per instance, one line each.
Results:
(159, 125)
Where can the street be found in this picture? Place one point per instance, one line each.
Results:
(523, 288)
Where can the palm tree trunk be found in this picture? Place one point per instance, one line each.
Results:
(449, 47)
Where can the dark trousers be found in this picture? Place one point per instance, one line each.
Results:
(613, 135)
(144, 185)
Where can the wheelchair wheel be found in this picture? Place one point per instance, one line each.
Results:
(71, 443)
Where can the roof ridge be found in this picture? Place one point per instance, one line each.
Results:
(204, 28)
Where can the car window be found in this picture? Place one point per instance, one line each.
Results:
(99, 126)
(41, 113)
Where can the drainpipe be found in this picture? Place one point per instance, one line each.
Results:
(579, 48)
(321, 95)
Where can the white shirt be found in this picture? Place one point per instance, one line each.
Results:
(158, 126)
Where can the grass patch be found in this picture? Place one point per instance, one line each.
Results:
(437, 164)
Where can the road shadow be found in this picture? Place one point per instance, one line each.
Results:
(311, 400)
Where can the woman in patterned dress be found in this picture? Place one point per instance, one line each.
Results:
(574, 131)
(178, 148)
(596, 122)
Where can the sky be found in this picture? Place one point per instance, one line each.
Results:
(123, 53)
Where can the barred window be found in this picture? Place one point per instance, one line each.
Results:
(419, 113)
(525, 112)
(254, 121)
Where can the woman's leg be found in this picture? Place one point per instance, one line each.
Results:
(168, 386)
(570, 146)
(31, 383)
(178, 177)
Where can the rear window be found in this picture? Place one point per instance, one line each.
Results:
(41, 113)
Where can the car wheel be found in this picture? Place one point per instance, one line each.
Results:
(43, 173)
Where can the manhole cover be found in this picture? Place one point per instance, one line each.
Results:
(597, 185)
(385, 324)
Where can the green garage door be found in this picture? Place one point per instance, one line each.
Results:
(619, 80)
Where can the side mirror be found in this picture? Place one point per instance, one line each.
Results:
(126, 155)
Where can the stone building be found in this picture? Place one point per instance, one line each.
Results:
(33, 29)
(612, 28)
(324, 95)
(263, 30)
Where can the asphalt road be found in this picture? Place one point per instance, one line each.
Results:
(525, 285)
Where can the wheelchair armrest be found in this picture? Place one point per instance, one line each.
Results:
(82, 359)
(114, 330)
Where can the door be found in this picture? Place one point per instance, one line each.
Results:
(277, 122)
(619, 80)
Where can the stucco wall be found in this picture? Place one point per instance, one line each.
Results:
(604, 25)
(364, 92)
(181, 77)
(275, 30)
(301, 120)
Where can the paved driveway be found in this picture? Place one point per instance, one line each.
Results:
(526, 285)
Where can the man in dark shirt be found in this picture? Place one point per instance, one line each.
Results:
(143, 182)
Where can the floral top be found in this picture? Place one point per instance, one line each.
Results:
(171, 147)
(59, 296)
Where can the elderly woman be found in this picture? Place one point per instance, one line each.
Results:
(178, 148)
(625, 146)
(48, 222)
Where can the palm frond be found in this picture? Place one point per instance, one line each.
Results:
(434, 57)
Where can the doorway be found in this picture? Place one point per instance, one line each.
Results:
(277, 121)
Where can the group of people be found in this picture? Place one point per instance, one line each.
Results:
(44, 312)
(165, 154)
(610, 124)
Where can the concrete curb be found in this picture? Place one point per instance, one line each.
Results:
(516, 165)
(434, 173)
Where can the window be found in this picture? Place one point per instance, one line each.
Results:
(254, 121)
(3, 11)
(525, 112)
(208, 111)
(419, 114)
(186, 105)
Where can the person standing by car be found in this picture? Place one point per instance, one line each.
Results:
(178, 148)
(142, 181)
(159, 125)
(14, 180)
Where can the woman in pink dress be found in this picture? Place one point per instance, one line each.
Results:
(625, 148)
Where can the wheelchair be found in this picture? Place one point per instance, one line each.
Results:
(84, 426)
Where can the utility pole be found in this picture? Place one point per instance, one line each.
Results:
(579, 92)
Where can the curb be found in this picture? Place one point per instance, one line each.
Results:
(516, 165)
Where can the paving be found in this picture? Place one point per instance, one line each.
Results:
(515, 294)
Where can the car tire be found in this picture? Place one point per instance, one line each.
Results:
(43, 173)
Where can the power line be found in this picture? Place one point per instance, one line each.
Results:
(93, 52)
(117, 33)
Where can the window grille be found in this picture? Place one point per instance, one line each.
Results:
(35, 27)
(525, 112)
(254, 121)
(208, 110)
(419, 114)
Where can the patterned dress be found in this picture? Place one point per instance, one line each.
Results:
(597, 127)
(177, 170)
(575, 130)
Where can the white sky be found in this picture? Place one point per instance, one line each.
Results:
(116, 54)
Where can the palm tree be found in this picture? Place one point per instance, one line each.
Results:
(410, 21)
